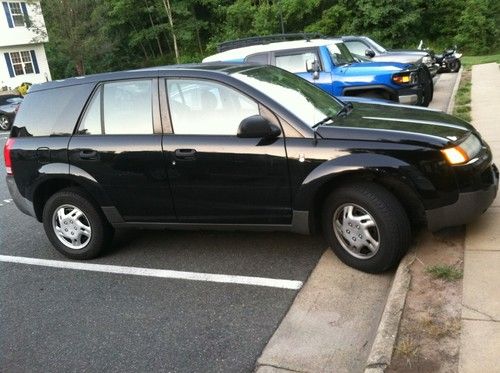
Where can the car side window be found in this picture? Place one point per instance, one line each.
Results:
(356, 47)
(127, 109)
(202, 107)
(91, 123)
(295, 62)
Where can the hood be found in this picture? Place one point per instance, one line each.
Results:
(400, 57)
(398, 123)
(370, 68)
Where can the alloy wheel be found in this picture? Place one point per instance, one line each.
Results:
(71, 227)
(4, 123)
(356, 230)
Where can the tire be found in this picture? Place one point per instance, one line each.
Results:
(91, 241)
(4, 122)
(392, 226)
(427, 90)
(454, 66)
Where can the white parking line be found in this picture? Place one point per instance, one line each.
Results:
(7, 200)
(163, 273)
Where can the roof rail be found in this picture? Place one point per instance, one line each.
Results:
(255, 40)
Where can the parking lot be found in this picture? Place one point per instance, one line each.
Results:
(132, 314)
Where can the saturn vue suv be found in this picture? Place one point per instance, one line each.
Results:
(240, 147)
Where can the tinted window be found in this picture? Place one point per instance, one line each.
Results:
(261, 59)
(199, 107)
(51, 112)
(91, 122)
(356, 47)
(295, 63)
(128, 107)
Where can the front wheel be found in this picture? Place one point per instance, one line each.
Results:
(75, 226)
(366, 227)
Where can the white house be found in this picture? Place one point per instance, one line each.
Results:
(22, 38)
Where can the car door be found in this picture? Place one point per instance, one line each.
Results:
(118, 144)
(217, 177)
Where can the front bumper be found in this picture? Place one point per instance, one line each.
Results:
(21, 202)
(408, 99)
(468, 207)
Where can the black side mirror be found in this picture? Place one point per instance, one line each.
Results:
(369, 53)
(257, 127)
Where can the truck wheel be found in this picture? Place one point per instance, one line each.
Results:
(427, 89)
(75, 225)
(366, 227)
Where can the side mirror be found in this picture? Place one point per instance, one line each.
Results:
(369, 53)
(257, 127)
(312, 66)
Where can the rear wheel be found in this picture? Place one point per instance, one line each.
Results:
(454, 66)
(4, 122)
(366, 227)
(75, 225)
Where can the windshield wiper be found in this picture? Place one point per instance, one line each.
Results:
(346, 109)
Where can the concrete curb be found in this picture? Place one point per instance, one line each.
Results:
(383, 345)
(451, 104)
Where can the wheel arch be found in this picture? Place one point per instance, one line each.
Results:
(53, 183)
(386, 171)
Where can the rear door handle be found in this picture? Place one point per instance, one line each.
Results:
(185, 154)
(88, 154)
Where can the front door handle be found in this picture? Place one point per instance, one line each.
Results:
(88, 154)
(185, 154)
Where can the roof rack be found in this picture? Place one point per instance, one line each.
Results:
(255, 40)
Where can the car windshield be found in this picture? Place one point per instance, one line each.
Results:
(309, 103)
(378, 48)
(340, 54)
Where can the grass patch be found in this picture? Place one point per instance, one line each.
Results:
(408, 349)
(475, 60)
(463, 99)
(444, 272)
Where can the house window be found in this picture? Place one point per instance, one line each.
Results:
(21, 62)
(17, 14)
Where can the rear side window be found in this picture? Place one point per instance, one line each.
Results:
(259, 58)
(51, 112)
(120, 108)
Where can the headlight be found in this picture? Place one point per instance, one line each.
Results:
(405, 78)
(427, 60)
(463, 152)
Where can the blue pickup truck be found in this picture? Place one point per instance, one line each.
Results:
(329, 64)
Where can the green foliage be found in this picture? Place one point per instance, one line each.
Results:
(477, 30)
(445, 272)
(88, 36)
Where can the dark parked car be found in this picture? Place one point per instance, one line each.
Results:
(226, 146)
(368, 48)
(8, 109)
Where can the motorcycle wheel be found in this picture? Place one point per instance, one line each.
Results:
(454, 66)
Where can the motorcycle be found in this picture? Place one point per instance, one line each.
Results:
(449, 60)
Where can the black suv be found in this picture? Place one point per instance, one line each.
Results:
(224, 146)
